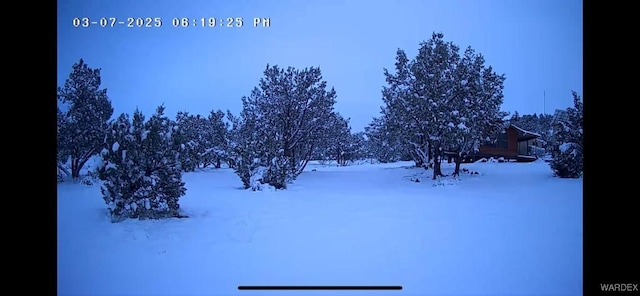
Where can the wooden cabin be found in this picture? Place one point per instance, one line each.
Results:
(514, 144)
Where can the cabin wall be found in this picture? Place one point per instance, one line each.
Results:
(510, 151)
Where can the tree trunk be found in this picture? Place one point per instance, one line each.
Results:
(218, 163)
(429, 152)
(64, 170)
(437, 171)
(419, 162)
(416, 157)
(458, 160)
(75, 170)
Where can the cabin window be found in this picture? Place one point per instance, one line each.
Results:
(503, 141)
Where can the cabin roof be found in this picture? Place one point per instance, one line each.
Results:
(525, 135)
(525, 132)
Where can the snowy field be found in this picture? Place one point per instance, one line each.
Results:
(512, 229)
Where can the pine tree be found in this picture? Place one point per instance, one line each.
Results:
(568, 146)
(515, 117)
(141, 170)
(216, 138)
(442, 102)
(338, 142)
(188, 141)
(291, 109)
(84, 122)
(474, 106)
(405, 112)
(120, 171)
(383, 143)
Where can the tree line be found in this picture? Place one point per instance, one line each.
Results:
(441, 102)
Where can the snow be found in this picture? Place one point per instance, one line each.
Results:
(115, 146)
(565, 146)
(110, 166)
(512, 229)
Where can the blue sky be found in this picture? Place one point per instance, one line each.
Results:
(537, 44)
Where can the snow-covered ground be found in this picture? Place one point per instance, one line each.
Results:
(512, 229)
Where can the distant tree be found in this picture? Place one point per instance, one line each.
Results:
(383, 144)
(216, 134)
(83, 123)
(567, 159)
(141, 171)
(339, 135)
(515, 117)
(358, 148)
(189, 139)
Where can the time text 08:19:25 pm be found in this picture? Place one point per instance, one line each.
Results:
(176, 22)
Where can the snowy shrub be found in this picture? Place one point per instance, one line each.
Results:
(255, 181)
(567, 162)
(245, 169)
(278, 174)
(567, 159)
(140, 171)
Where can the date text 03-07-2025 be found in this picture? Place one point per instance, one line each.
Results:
(157, 22)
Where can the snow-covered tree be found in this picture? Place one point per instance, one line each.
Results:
(383, 143)
(475, 106)
(83, 120)
(568, 146)
(216, 135)
(291, 108)
(339, 139)
(203, 140)
(441, 102)
(404, 111)
(358, 148)
(141, 170)
(189, 139)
